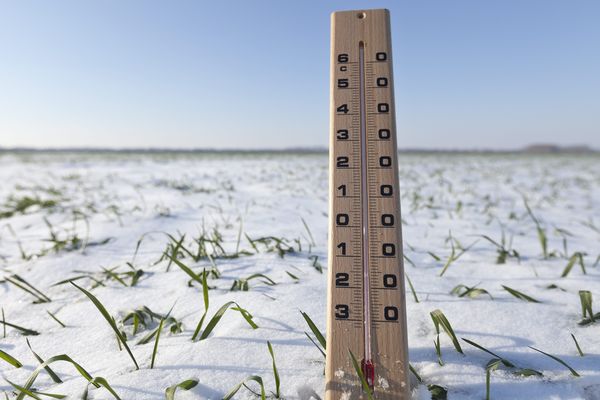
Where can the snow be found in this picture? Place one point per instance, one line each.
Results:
(125, 196)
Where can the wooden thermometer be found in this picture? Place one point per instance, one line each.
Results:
(366, 308)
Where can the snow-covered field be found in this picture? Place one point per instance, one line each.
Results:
(109, 220)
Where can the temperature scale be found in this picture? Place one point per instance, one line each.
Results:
(366, 306)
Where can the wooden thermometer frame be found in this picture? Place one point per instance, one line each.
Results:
(366, 296)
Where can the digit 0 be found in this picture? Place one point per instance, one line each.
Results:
(386, 190)
(383, 107)
(390, 313)
(342, 219)
(387, 220)
(388, 249)
(382, 82)
(390, 281)
(384, 134)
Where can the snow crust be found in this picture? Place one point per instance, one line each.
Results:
(127, 196)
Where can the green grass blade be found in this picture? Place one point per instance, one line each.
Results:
(415, 373)
(315, 330)
(520, 295)
(10, 359)
(23, 390)
(294, 277)
(480, 347)
(185, 385)
(439, 319)
(63, 357)
(185, 269)
(104, 383)
(160, 326)
(577, 345)
(49, 370)
(56, 319)
(312, 239)
(315, 343)
(110, 320)
(237, 387)
(412, 288)
(275, 373)
(573, 372)
(24, 331)
(361, 376)
(219, 314)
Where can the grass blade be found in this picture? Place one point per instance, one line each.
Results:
(49, 370)
(160, 326)
(219, 314)
(360, 374)
(275, 373)
(10, 359)
(110, 320)
(520, 295)
(577, 345)
(56, 319)
(315, 330)
(412, 288)
(39, 368)
(237, 387)
(439, 319)
(24, 331)
(573, 372)
(185, 385)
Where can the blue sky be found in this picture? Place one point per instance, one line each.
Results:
(254, 74)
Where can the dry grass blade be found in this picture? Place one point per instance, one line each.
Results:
(110, 320)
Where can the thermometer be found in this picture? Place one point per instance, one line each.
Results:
(366, 302)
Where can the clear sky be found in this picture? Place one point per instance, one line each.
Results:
(254, 74)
